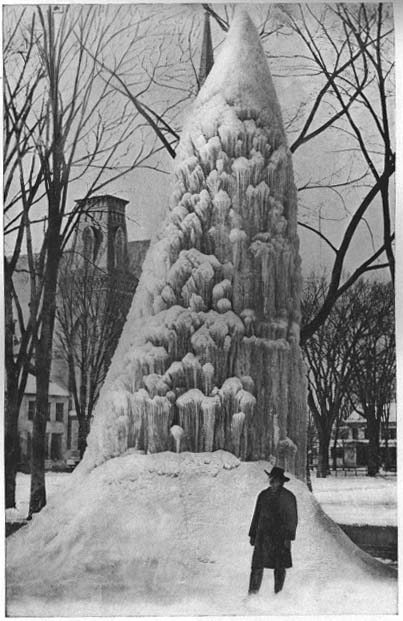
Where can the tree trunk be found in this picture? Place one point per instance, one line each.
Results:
(38, 491)
(308, 475)
(83, 430)
(373, 446)
(323, 457)
(11, 439)
(336, 437)
(11, 443)
(387, 451)
(43, 361)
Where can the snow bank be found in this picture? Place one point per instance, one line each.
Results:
(166, 534)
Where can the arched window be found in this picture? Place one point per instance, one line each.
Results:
(119, 247)
(88, 243)
(98, 236)
(92, 240)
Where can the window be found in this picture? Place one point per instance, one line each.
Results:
(60, 412)
(355, 433)
(48, 412)
(98, 238)
(119, 247)
(31, 410)
(88, 243)
(392, 434)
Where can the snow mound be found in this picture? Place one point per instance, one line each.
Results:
(166, 534)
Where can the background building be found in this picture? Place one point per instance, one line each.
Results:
(101, 242)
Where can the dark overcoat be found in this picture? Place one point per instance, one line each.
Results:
(274, 521)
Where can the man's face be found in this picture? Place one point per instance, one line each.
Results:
(274, 483)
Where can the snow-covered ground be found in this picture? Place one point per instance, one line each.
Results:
(55, 481)
(347, 500)
(358, 499)
(166, 534)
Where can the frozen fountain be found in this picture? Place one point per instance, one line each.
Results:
(209, 357)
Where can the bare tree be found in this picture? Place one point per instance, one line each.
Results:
(22, 187)
(72, 126)
(346, 53)
(330, 358)
(92, 308)
(374, 371)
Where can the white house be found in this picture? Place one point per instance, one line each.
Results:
(61, 434)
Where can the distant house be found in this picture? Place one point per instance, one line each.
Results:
(58, 431)
(352, 445)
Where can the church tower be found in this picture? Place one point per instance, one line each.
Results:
(101, 236)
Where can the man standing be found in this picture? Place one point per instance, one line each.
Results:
(273, 527)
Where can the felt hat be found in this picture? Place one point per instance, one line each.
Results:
(277, 473)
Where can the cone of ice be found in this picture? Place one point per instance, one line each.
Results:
(210, 347)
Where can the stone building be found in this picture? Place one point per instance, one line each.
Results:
(100, 239)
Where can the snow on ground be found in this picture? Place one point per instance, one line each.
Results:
(55, 481)
(347, 500)
(358, 499)
(166, 534)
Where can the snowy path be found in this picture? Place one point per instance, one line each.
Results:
(166, 534)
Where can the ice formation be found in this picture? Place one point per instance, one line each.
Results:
(209, 357)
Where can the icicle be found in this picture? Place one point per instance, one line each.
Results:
(224, 305)
(203, 208)
(214, 182)
(168, 296)
(248, 384)
(209, 153)
(241, 170)
(221, 290)
(196, 303)
(192, 228)
(245, 402)
(178, 214)
(222, 204)
(248, 317)
(190, 417)
(210, 407)
(219, 243)
(155, 385)
(237, 425)
(176, 432)
(193, 371)
(286, 454)
(158, 422)
(208, 373)
(203, 345)
(175, 375)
